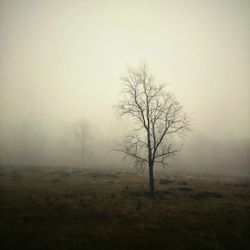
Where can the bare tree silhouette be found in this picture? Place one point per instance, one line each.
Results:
(82, 135)
(158, 117)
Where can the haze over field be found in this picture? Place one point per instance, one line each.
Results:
(61, 63)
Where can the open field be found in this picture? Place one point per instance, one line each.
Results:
(74, 208)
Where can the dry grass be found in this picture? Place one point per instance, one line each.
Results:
(62, 208)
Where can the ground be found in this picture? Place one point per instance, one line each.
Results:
(76, 208)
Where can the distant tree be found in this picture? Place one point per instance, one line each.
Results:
(82, 135)
(158, 117)
(75, 141)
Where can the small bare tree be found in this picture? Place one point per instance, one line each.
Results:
(82, 135)
(158, 117)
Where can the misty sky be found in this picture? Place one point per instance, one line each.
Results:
(62, 60)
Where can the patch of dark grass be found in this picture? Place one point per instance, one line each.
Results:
(101, 175)
(186, 189)
(183, 183)
(171, 190)
(242, 185)
(206, 195)
(165, 181)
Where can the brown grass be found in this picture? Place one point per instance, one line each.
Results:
(65, 208)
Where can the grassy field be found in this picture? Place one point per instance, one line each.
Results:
(74, 208)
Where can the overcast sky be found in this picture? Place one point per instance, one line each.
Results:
(62, 60)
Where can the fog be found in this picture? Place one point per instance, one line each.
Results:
(60, 68)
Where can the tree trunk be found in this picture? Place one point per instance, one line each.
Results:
(151, 180)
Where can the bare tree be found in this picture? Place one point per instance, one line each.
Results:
(76, 140)
(158, 118)
(81, 133)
